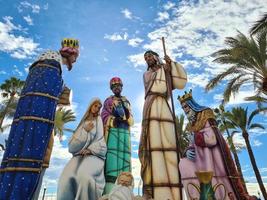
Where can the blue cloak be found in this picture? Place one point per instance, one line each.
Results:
(30, 131)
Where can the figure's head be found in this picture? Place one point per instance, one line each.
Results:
(125, 179)
(189, 112)
(151, 58)
(116, 86)
(190, 107)
(95, 107)
(69, 51)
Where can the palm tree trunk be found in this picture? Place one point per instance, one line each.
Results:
(237, 162)
(254, 164)
(5, 111)
(238, 166)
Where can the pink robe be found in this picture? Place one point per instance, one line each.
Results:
(206, 159)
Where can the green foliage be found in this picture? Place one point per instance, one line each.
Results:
(11, 87)
(260, 25)
(246, 57)
(62, 117)
(10, 91)
(183, 134)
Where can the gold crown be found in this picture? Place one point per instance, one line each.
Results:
(70, 42)
(185, 97)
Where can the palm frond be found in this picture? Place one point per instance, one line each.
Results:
(215, 81)
(254, 113)
(256, 125)
(260, 25)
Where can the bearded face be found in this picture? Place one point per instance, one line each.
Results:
(150, 60)
(190, 113)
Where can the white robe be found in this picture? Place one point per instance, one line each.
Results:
(160, 171)
(83, 177)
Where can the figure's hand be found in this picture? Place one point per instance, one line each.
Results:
(88, 127)
(85, 152)
(167, 60)
(167, 66)
(191, 154)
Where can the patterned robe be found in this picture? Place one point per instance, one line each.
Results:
(23, 163)
(117, 119)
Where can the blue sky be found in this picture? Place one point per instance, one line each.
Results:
(113, 37)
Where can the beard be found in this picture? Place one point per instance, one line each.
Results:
(191, 116)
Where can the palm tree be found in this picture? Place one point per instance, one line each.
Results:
(8, 113)
(225, 125)
(62, 117)
(9, 90)
(247, 59)
(260, 25)
(240, 119)
(183, 134)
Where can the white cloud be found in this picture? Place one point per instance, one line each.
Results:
(28, 19)
(169, 5)
(2, 72)
(256, 143)
(237, 99)
(17, 46)
(197, 29)
(162, 16)
(16, 71)
(127, 13)
(187, 64)
(116, 36)
(134, 42)
(45, 7)
(136, 132)
(25, 4)
(200, 80)
(263, 170)
(26, 69)
(137, 60)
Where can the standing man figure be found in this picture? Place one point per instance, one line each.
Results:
(30, 139)
(117, 119)
(158, 151)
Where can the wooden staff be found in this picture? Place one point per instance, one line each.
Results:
(175, 127)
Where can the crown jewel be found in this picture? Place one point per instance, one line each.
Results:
(70, 42)
(185, 97)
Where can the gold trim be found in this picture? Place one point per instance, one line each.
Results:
(34, 118)
(24, 160)
(202, 118)
(45, 165)
(19, 169)
(46, 65)
(39, 94)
